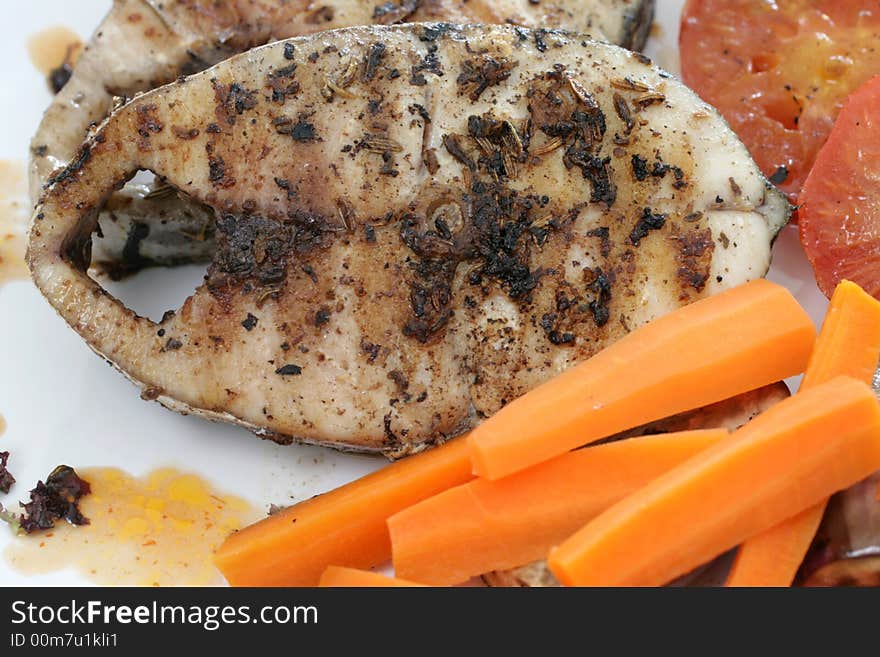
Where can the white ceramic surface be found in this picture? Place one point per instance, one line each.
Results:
(63, 404)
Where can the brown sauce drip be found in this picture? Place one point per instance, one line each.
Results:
(14, 211)
(52, 47)
(157, 530)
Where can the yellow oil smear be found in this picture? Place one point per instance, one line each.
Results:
(51, 47)
(157, 530)
(14, 210)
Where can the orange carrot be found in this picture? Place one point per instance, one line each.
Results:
(800, 451)
(849, 343)
(713, 349)
(345, 526)
(338, 576)
(483, 526)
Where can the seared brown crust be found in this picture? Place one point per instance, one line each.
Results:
(400, 298)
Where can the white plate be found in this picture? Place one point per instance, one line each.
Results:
(62, 404)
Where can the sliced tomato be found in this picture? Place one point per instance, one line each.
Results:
(840, 203)
(779, 71)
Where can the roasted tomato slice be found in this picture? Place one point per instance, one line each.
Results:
(779, 71)
(840, 202)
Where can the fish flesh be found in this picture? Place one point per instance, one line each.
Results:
(145, 43)
(414, 225)
(413, 228)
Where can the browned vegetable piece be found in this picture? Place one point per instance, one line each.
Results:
(846, 551)
(56, 499)
(6, 478)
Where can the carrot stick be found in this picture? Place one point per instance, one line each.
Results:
(483, 526)
(849, 343)
(345, 526)
(772, 558)
(787, 459)
(338, 576)
(713, 349)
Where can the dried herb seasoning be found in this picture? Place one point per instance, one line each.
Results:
(6, 478)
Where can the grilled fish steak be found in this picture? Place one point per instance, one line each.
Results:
(144, 43)
(415, 224)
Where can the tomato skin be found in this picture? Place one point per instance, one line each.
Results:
(779, 71)
(840, 211)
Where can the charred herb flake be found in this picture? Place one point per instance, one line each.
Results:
(216, 169)
(601, 287)
(374, 59)
(640, 167)
(77, 163)
(500, 144)
(597, 171)
(647, 222)
(289, 370)
(284, 183)
(372, 350)
(477, 76)
(603, 233)
(622, 110)
(173, 344)
(455, 150)
(249, 322)
(415, 108)
(779, 176)
(322, 316)
(694, 255)
(240, 99)
(57, 499)
(6, 478)
(60, 76)
(282, 81)
(563, 109)
(431, 33)
(549, 322)
(540, 44)
(301, 130)
(430, 63)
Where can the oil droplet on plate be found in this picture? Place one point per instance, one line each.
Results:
(14, 214)
(157, 530)
(52, 47)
